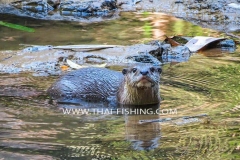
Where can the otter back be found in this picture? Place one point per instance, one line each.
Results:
(91, 84)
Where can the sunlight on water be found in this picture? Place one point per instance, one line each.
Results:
(131, 28)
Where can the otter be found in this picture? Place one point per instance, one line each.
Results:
(136, 85)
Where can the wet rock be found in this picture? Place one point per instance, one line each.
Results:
(144, 58)
(165, 53)
(70, 7)
(54, 3)
(157, 53)
(179, 1)
(109, 4)
(234, 5)
(180, 39)
(204, 6)
(216, 6)
(94, 59)
(92, 11)
(77, 10)
(180, 50)
(195, 6)
(49, 61)
(176, 54)
(227, 43)
(37, 48)
(87, 9)
(33, 6)
(165, 48)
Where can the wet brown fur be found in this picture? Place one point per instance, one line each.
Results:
(139, 89)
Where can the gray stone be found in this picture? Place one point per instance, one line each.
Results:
(179, 1)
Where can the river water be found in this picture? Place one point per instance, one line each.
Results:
(205, 90)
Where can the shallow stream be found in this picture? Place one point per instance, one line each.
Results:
(33, 128)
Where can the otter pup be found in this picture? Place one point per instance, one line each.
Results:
(137, 85)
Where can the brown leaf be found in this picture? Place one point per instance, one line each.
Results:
(172, 42)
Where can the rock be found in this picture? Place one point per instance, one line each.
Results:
(216, 6)
(234, 5)
(197, 11)
(109, 4)
(94, 59)
(176, 54)
(179, 1)
(227, 43)
(33, 6)
(36, 48)
(48, 61)
(145, 58)
(204, 6)
(54, 3)
(198, 1)
(195, 6)
(166, 48)
(165, 53)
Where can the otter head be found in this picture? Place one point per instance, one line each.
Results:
(142, 76)
(140, 85)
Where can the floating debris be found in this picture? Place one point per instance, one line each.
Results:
(171, 119)
(16, 26)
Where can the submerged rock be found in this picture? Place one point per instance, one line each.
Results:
(227, 45)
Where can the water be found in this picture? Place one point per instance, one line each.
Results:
(33, 128)
(140, 28)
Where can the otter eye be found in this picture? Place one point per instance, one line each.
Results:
(124, 71)
(159, 70)
(152, 69)
(134, 70)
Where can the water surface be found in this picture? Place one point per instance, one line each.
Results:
(131, 28)
(33, 128)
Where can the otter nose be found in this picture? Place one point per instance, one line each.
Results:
(144, 72)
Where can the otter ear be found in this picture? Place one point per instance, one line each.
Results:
(124, 71)
(159, 70)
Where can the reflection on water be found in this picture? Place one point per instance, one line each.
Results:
(33, 128)
(144, 136)
(131, 28)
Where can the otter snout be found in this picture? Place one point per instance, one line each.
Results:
(144, 73)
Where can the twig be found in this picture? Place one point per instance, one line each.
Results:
(170, 119)
(232, 35)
